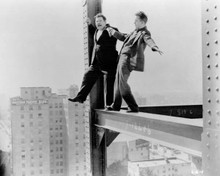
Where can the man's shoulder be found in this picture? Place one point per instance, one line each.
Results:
(114, 28)
(108, 25)
(146, 32)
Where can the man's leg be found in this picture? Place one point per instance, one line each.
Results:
(116, 105)
(89, 79)
(110, 79)
(125, 90)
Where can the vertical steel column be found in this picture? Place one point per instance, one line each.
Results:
(211, 87)
(96, 151)
(87, 104)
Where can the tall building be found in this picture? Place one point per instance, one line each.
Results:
(78, 139)
(39, 134)
(139, 150)
(159, 167)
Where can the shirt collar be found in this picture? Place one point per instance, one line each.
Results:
(142, 29)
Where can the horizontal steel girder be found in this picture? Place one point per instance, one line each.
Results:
(175, 132)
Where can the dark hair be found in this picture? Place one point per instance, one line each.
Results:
(142, 16)
(100, 15)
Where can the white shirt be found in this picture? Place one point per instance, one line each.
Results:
(99, 33)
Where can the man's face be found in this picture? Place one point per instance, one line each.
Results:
(138, 23)
(100, 23)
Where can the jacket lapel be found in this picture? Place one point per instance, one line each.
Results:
(95, 41)
(137, 37)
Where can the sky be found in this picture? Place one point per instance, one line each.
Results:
(41, 44)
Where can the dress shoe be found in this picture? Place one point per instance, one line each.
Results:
(130, 111)
(110, 108)
(76, 99)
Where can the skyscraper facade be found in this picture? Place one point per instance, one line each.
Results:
(39, 133)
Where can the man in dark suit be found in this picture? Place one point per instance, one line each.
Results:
(104, 61)
(131, 57)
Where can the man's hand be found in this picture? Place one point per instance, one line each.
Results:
(157, 50)
(110, 30)
(88, 21)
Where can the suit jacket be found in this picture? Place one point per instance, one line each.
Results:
(136, 50)
(104, 51)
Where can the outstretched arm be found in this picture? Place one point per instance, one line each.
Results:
(118, 35)
(150, 42)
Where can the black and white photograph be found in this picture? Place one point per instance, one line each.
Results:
(109, 88)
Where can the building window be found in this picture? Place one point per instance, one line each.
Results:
(61, 112)
(31, 116)
(56, 105)
(32, 172)
(60, 105)
(43, 92)
(76, 129)
(22, 116)
(23, 156)
(23, 165)
(41, 172)
(31, 124)
(51, 106)
(22, 108)
(61, 148)
(22, 124)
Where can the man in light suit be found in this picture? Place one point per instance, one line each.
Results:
(104, 61)
(131, 57)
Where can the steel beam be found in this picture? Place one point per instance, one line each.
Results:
(211, 87)
(175, 132)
